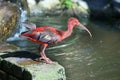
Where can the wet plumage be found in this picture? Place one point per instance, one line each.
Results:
(46, 36)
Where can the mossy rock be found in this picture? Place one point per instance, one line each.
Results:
(9, 15)
(6, 47)
(23, 65)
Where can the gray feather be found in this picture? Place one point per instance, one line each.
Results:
(47, 37)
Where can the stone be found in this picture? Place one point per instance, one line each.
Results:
(116, 5)
(37, 7)
(98, 5)
(117, 24)
(6, 47)
(12, 69)
(56, 7)
(23, 66)
(21, 3)
(99, 9)
(0, 62)
(3, 75)
(78, 11)
(27, 75)
(46, 71)
(108, 10)
(9, 15)
(83, 4)
(12, 78)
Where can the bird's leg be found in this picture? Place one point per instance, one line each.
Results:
(43, 56)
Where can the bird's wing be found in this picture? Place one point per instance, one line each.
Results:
(47, 35)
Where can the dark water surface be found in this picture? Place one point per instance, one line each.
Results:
(83, 58)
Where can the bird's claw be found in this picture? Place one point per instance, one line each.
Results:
(47, 60)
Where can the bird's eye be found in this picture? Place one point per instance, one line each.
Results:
(77, 22)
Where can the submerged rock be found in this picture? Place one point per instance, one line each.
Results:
(104, 9)
(9, 15)
(5, 47)
(23, 66)
(116, 7)
(99, 8)
(21, 3)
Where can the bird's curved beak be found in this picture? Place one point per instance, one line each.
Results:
(82, 26)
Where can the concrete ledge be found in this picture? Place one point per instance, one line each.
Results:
(22, 66)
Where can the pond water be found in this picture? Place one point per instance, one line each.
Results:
(84, 58)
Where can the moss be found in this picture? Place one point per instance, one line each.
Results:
(27, 69)
(9, 17)
(46, 71)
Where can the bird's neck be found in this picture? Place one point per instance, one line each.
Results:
(68, 32)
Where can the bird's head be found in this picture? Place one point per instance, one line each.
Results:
(75, 22)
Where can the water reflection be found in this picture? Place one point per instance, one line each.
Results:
(83, 58)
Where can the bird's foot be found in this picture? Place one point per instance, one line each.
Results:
(47, 60)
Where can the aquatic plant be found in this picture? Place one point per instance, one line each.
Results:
(66, 3)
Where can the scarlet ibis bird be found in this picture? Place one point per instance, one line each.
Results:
(47, 35)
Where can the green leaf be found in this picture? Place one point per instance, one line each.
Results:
(68, 4)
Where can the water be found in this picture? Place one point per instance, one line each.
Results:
(83, 58)
(20, 27)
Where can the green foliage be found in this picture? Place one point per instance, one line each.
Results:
(67, 3)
